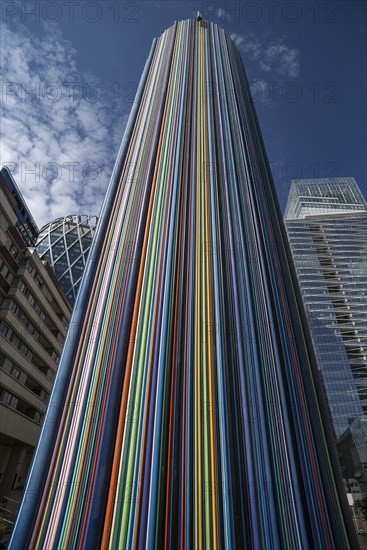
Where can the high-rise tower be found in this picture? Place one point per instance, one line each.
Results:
(188, 405)
(326, 221)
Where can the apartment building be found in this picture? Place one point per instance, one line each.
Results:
(34, 316)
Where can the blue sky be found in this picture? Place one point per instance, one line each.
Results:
(70, 70)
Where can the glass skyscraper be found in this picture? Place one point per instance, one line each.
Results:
(188, 404)
(65, 243)
(326, 221)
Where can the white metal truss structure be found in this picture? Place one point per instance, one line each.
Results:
(65, 243)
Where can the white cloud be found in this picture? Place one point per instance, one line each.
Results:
(287, 59)
(47, 120)
(273, 56)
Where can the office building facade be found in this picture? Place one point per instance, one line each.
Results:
(326, 221)
(34, 316)
(189, 400)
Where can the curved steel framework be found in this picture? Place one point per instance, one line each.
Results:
(65, 243)
(187, 403)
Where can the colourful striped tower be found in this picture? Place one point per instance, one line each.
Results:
(187, 411)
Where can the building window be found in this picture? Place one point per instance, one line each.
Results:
(20, 406)
(22, 287)
(4, 330)
(15, 373)
(30, 268)
(8, 399)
